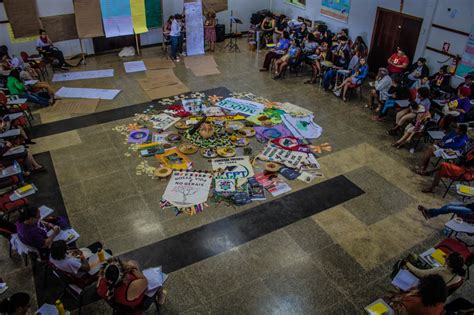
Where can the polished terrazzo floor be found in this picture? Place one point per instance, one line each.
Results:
(335, 261)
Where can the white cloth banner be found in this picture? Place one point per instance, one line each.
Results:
(302, 127)
(241, 106)
(103, 94)
(187, 188)
(134, 66)
(83, 75)
(194, 28)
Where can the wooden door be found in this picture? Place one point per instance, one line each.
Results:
(391, 30)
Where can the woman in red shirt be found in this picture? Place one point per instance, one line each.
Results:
(398, 62)
(123, 284)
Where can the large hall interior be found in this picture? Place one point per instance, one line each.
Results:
(236, 157)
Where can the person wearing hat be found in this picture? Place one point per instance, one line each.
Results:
(469, 84)
(456, 109)
(398, 62)
(455, 140)
(382, 84)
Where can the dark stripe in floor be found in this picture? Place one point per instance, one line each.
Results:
(102, 117)
(217, 237)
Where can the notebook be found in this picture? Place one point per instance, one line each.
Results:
(405, 280)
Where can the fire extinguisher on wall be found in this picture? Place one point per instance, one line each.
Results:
(454, 64)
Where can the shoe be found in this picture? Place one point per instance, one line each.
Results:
(337, 92)
(263, 70)
(28, 141)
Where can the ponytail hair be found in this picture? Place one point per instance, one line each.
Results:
(113, 273)
(11, 304)
(456, 263)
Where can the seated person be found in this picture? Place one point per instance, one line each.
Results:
(73, 262)
(291, 58)
(455, 140)
(31, 164)
(397, 91)
(46, 48)
(459, 306)
(123, 283)
(309, 47)
(17, 304)
(358, 74)
(427, 298)
(398, 62)
(6, 125)
(167, 28)
(381, 86)
(32, 231)
(301, 32)
(464, 211)
(411, 112)
(421, 118)
(280, 27)
(456, 109)
(440, 80)
(315, 66)
(452, 272)
(359, 47)
(469, 83)
(463, 168)
(268, 26)
(423, 82)
(417, 71)
(282, 45)
(16, 87)
(341, 58)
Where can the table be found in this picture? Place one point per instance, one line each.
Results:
(95, 263)
(402, 103)
(327, 64)
(457, 227)
(435, 134)
(15, 196)
(13, 116)
(10, 171)
(15, 150)
(17, 101)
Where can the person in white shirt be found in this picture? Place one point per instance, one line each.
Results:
(69, 261)
(175, 35)
(45, 47)
(380, 88)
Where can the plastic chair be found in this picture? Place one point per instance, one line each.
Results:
(41, 65)
(7, 206)
(450, 245)
(119, 309)
(461, 179)
(355, 87)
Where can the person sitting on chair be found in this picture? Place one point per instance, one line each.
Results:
(455, 140)
(291, 58)
(398, 62)
(440, 80)
(276, 53)
(397, 91)
(16, 87)
(417, 71)
(452, 272)
(410, 113)
(17, 304)
(464, 211)
(31, 164)
(464, 169)
(6, 125)
(315, 65)
(45, 47)
(123, 283)
(459, 306)
(341, 59)
(469, 83)
(268, 26)
(358, 74)
(456, 109)
(427, 298)
(381, 86)
(421, 118)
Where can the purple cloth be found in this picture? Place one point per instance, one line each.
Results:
(276, 131)
(31, 235)
(465, 104)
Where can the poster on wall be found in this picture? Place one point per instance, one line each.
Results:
(298, 3)
(466, 64)
(194, 28)
(117, 17)
(336, 9)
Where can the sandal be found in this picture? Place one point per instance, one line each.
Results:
(424, 212)
(427, 190)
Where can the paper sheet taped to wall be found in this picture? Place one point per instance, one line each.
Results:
(23, 17)
(88, 18)
(117, 17)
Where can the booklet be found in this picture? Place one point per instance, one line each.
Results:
(256, 191)
(275, 185)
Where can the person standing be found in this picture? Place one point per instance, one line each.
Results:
(175, 35)
(210, 30)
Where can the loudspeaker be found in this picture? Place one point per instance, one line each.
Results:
(220, 33)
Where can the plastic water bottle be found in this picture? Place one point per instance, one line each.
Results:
(17, 168)
(101, 255)
(60, 307)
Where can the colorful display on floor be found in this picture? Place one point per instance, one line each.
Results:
(231, 153)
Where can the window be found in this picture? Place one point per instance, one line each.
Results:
(298, 3)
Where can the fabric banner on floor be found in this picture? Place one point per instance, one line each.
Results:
(83, 75)
(88, 18)
(138, 16)
(117, 17)
(60, 27)
(194, 28)
(154, 13)
(103, 94)
(23, 17)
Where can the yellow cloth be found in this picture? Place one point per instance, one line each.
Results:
(439, 256)
(138, 16)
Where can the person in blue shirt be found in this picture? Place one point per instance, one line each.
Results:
(358, 74)
(292, 58)
(277, 52)
(455, 140)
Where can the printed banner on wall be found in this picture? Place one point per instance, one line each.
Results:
(336, 9)
(117, 17)
(88, 18)
(138, 16)
(61, 27)
(154, 14)
(194, 28)
(467, 62)
(23, 17)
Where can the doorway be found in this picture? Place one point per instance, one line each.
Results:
(391, 30)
